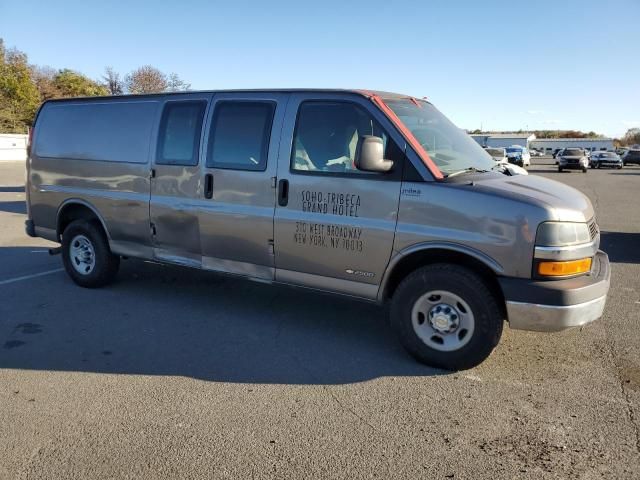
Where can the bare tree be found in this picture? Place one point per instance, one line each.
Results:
(146, 79)
(112, 82)
(632, 137)
(176, 84)
(43, 77)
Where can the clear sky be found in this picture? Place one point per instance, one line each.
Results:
(495, 64)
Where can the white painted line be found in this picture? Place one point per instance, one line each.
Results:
(27, 277)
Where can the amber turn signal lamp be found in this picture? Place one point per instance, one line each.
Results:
(562, 269)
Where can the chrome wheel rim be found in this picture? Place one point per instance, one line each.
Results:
(442, 320)
(82, 255)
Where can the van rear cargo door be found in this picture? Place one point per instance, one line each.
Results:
(176, 186)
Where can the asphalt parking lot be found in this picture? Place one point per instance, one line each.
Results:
(183, 374)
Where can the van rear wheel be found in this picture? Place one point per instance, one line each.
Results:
(86, 255)
(446, 316)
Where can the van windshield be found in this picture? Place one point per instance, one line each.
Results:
(450, 148)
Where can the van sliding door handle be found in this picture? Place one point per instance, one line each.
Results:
(283, 192)
(208, 185)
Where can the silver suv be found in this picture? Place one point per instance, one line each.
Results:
(367, 194)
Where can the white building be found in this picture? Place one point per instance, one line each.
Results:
(503, 140)
(549, 145)
(13, 146)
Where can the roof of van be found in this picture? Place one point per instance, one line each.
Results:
(363, 92)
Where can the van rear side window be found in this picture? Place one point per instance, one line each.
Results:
(180, 130)
(240, 134)
(113, 131)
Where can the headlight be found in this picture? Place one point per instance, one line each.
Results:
(560, 234)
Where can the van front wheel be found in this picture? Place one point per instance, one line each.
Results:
(86, 255)
(446, 316)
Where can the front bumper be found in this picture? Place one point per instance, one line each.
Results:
(554, 305)
(573, 166)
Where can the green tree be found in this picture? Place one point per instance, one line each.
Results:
(19, 98)
(74, 84)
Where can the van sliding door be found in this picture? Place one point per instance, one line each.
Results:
(236, 214)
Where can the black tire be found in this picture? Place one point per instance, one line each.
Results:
(584, 169)
(106, 263)
(473, 290)
(593, 165)
(560, 169)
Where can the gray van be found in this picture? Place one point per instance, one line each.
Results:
(367, 194)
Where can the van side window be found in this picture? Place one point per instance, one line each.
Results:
(95, 130)
(180, 128)
(327, 135)
(240, 133)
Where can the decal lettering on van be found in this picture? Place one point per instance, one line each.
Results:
(336, 237)
(330, 203)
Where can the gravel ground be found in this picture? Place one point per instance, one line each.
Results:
(172, 373)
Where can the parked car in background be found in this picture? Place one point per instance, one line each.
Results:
(536, 153)
(621, 151)
(572, 159)
(631, 156)
(498, 154)
(519, 155)
(502, 164)
(605, 159)
(556, 153)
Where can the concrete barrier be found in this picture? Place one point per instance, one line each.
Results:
(13, 146)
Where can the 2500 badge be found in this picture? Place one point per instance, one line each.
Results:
(360, 273)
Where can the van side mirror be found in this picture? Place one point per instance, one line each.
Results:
(370, 155)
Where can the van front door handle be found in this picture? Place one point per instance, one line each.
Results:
(283, 192)
(208, 185)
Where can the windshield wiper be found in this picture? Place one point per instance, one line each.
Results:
(466, 170)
